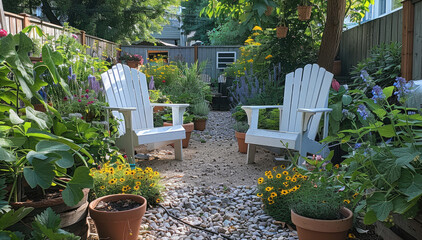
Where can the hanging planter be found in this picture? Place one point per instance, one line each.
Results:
(304, 12)
(269, 11)
(282, 31)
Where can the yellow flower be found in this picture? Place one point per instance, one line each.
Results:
(120, 167)
(128, 172)
(102, 187)
(278, 175)
(294, 179)
(112, 181)
(111, 170)
(267, 173)
(257, 44)
(269, 56)
(249, 40)
(148, 169)
(283, 167)
(337, 166)
(257, 28)
(260, 180)
(270, 202)
(294, 169)
(255, 34)
(124, 189)
(284, 192)
(270, 176)
(274, 168)
(152, 185)
(138, 183)
(158, 200)
(136, 187)
(285, 173)
(259, 194)
(122, 179)
(268, 189)
(273, 194)
(286, 184)
(346, 201)
(156, 173)
(355, 195)
(250, 60)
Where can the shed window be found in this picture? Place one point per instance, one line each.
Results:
(225, 58)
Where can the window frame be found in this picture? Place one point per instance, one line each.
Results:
(217, 58)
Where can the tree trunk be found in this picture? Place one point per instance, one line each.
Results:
(332, 33)
(46, 9)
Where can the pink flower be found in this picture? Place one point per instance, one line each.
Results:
(65, 98)
(75, 95)
(3, 33)
(87, 91)
(79, 100)
(335, 85)
(75, 36)
(90, 102)
(125, 156)
(164, 81)
(87, 96)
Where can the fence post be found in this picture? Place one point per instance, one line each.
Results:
(83, 37)
(195, 53)
(26, 21)
(407, 39)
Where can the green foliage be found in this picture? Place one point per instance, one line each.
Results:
(239, 114)
(156, 96)
(193, 23)
(114, 20)
(317, 201)
(230, 32)
(163, 74)
(241, 127)
(46, 226)
(121, 178)
(200, 110)
(383, 169)
(277, 188)
(269, 119)
(187, 118)
(383, 65)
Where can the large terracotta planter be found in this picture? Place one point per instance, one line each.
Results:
(304, 12)
(73, 218)
(121, 224)
(200, 124)
(315, 229)
(188, 128)
(132, 64)
(243, 147)
(282, 31)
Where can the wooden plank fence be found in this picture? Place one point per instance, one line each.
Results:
(357, 42)
(98, 47)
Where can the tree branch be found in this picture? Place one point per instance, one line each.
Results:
(46, 8)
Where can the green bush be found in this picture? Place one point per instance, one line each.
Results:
(241, 127)
(383, 65)
(200, 110)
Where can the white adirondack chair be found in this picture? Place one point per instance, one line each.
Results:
(305, 99)
(128, 98)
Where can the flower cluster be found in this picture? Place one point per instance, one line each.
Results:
(130, 57)
(161, 73)
(3, 33)
(403, 87)
(363, 111)
(377, 93)
(276, 187)
(121, 178)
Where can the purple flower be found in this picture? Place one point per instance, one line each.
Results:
(70, 70)
(151, 85)
(411, 112)
(403, 87)
(79, 100)
(345, 111)
(388, 141)
(357, 145)
(363, 111)
(364, 75)
(377, 92)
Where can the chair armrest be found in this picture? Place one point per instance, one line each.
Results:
(169, 105)
(121, 109)
(252, 112)
(314, 110)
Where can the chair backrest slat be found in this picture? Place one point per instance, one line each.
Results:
(305, 88)
(126, 87)
(111, 98)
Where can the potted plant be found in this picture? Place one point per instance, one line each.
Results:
(122, 196)
(304, 11)
(200, 112)
(133, 61)
(187, 125)
(318, 212)
(240, 132)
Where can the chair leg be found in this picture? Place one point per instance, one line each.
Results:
(178, 153)
(251, 153)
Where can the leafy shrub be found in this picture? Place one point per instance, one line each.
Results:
(276, 188)
(118, 178)
(156, 96)
(200, 110)
(383, 65)
(269, 119)
(163, 74)
(241, 127)
(320, 201)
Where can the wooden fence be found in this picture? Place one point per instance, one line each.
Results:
(357, 42)
(97, 47)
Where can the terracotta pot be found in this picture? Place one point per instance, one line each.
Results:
(188, 128)
(243, 147)
(158, 109)
(315, 229)
(132, 64)
(269, 11)
(73, 218)
(200, 124)
(337, 68)
(282, 31)
(118, 225)
(40, 107)
(304, 12)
